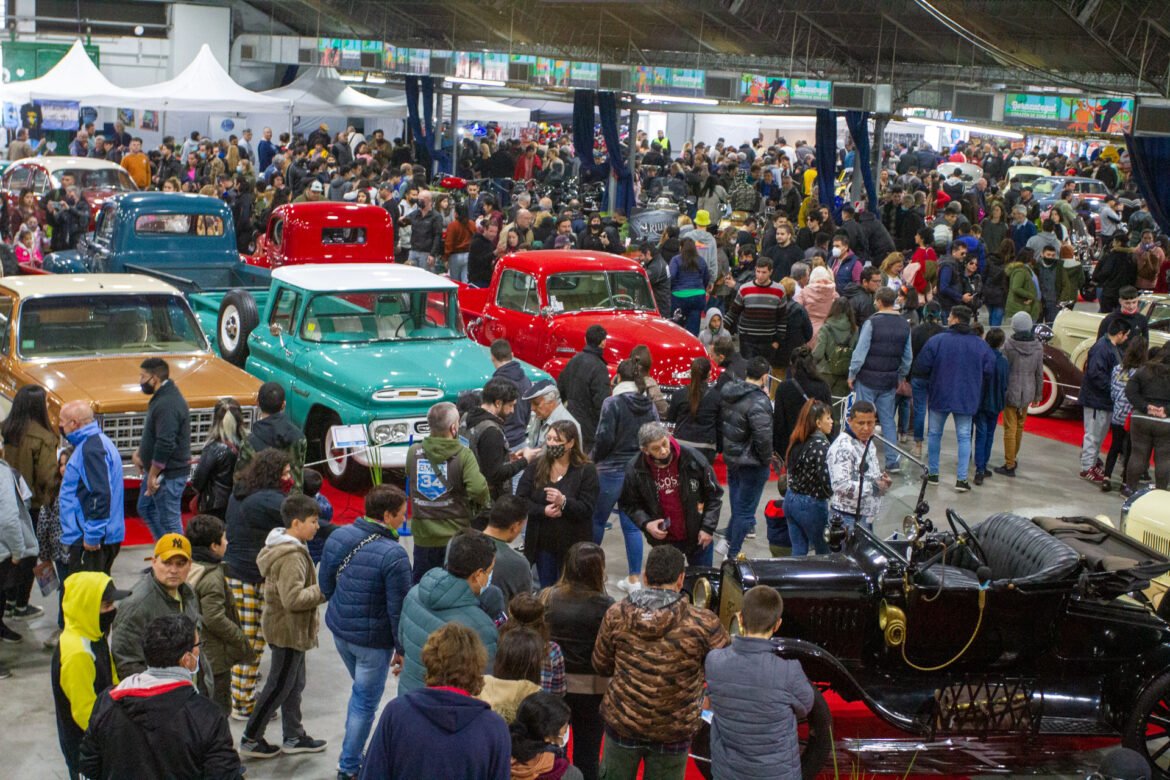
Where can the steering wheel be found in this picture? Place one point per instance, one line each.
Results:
(976, 548)
(620, 299)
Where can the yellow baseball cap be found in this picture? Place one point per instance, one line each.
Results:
(171, 545)
(702, 218)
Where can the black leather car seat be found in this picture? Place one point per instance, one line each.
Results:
(1019, 551)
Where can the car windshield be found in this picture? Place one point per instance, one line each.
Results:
(381, 315)
(599, 291)
(99, 179)
(89, 325)
(907, 484)
(1046, 186)
(1092, 188)
(1159, 315)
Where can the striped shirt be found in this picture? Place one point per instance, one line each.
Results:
(758, 312)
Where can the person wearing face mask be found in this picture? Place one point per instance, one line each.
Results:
(539, 734)
(444, 596)
(124, 738)
(1129, 301)
(91, 497)
(82, 666)
(166, 446)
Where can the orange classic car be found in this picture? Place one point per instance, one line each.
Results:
(83, 336)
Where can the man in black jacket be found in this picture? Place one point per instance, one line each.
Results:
(274, 430)
(747, 448)
(672, 495)
(727, 357)
(168, 165)
(164, 453)
(659, 274)
(784, 252)
(877, 238)
(507, 367)
(69, 219)
(153, 724)
(483, 427)
(426, 233)
(584, 384)
(1127, 312)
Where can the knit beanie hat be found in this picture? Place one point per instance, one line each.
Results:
(1021, 322)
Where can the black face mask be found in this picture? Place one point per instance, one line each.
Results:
(661, 462)
(106, 619)
(555, 450)
(147, 388)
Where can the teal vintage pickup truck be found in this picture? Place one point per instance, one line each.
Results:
(354, 344)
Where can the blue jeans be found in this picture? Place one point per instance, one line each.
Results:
(692, 311)
(905, 415)
(368, 667)
(985, 423)
(807, 518)
(457, 267)
(610, 483)
(994, 316)
(921, 388)
(885, 403)
(745, 484)
(700, 556)
(934, 441)
(163, 512)
(419, 260)
(851, 519)
(548, 568)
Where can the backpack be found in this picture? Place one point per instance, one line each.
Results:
(470, 436)
(838, 356)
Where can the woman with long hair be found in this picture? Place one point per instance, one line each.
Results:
(30, 447)
(527, 611)
(26, 207)
(694, 411)
(806, 503)
(512, 243)
(689, 280)
(560, 487)
(515, 671)
(804, 382)
(213, 475)
(641, 355)
(995, 283)
(622, 415)
(574, 609)
(1131, 361)
(457, 244)
(995, 225)
(1149, 427)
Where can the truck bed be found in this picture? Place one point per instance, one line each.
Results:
(196, 278)
(1104, 548)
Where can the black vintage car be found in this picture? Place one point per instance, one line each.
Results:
(1014, 633)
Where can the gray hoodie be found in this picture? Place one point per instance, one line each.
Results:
(706, 335)
(1025, 356)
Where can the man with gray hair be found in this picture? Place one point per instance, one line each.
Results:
(799, 274)
(671, 493)
(544, 399)
(447, 488)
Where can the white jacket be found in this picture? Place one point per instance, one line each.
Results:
(844, 459)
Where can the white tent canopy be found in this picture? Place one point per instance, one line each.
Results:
(204, 85)
(471, 108)
(75, 78)
(320, 91)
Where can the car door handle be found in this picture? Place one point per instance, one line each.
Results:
(300, 392)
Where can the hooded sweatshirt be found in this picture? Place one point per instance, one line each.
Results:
(462, 737)
(82, 664)
(278, 432)
(291, 593)
(1025, 356)
(817, 298)
(706, 335)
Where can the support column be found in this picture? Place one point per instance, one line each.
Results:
(438, 139)
(455, 144)
(632, 142)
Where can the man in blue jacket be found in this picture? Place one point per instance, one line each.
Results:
(1095, 399)
(92, 522)
(959, 364)
(365, 574)
(950, 278)
(448, 595)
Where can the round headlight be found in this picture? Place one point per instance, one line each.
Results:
(701, 593)
(380, 434)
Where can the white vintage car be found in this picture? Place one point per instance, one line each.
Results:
(1075, 331)
(1146, 518)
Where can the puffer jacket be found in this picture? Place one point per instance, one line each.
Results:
(291, 593)
(958, 363)
(250, 518)
(365, 602)
(18, 537)
(1025, 356)
(224, 642)
(756, 697)
(747, 425)
(213, 477)
(1103, 356)
(584, 385)
(817, 298)
(278, 432)
(438, 599)
(622, 414)
(702, 429)
(654, 645)
(35, 457)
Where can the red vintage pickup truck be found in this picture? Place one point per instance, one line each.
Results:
(542, 302)
(325, 232)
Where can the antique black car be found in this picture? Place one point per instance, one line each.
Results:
(1016, 632)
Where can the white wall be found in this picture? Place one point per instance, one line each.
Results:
(195, 25)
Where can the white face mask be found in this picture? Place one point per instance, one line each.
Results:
(836, 251)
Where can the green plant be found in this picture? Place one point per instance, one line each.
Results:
(374, 458)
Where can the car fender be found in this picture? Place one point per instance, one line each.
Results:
(822, 666)
(1067, 374)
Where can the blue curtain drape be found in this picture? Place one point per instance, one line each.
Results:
(826, 138)
(584, 103)
(412, 120)
(1150, 159)
(424, 129)
(607, 107)
(858, 124)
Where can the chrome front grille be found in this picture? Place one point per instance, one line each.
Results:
(125, 428)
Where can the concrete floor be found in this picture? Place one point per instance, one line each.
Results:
(1047, 484)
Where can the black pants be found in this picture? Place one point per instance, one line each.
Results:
(425, 559)
(283, 689)
(101, 559)
(585, 719)
(1118, 447)
(18, 584)
(1146, 437)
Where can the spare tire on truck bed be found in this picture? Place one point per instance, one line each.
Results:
(238, 316)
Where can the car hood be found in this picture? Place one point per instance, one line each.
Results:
(672, 347)
(111, 383)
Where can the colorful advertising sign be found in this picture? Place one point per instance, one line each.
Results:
(585, 75)
(62, 114)
(523, 59)
(495, 66)
(687, 81)
(650, 79)
(808, 92)
(763, 90)
(551, 73)
(1080, 114)
(413, 62)
(339, 52)
(388, 55)
(469, 64)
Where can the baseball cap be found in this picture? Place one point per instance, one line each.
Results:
(114, 594)
(317, 187)
(171, 545)
(538, 389)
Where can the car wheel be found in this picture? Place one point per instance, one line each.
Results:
(814, 734)
(1051, 398)
(238, 317)
(1148, 729)
(342, 471)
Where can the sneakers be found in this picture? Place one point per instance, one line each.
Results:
(751, 534)
(932, 479)
(1007, 472)
(1125, 492)
(978, 477)
(963, 486)
(27, 611)
(1105, 485)
(627, 586)
(258, 748)
(303, 744)
(895, 469)
(917, 449)
(1093, 475)
(8, 635)
(51, 642)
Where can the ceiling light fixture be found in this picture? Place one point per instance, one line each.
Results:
(677, 99)
(476, 82)
(960, 126)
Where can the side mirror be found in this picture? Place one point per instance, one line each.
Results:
(276, 330)
(547, 311)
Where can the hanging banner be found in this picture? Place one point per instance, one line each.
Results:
(495, 66)
(469, 64)
(584, 75)
(551, 73)
(763, 90)
(62, 114)
(650, 79)
(686, 81)
(809, 92)
(388, 57)
(1079, 114)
